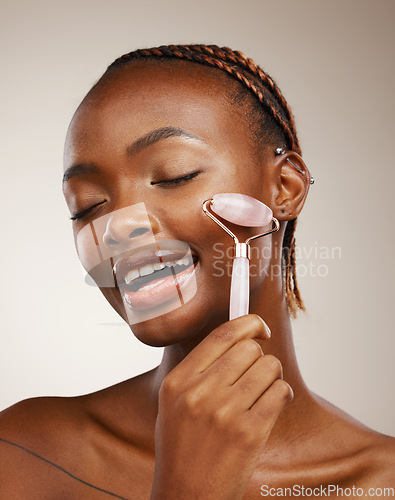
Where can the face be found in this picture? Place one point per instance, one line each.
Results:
(163, 138)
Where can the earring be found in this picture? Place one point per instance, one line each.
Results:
(281, 151)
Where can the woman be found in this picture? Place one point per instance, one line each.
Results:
(226, 415)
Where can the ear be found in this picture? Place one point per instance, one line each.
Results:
(292, 182)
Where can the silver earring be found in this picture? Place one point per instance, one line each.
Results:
(281, 151)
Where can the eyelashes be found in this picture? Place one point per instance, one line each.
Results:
(166, 183)
(80, 215)
(177, 180)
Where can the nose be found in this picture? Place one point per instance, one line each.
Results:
(127, 226)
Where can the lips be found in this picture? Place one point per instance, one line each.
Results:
(139, 276)
(155, 274)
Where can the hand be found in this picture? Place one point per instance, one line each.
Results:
(216, 411)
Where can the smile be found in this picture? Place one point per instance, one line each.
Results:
(156, 275)
(142, 276)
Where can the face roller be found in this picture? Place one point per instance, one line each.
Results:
(246, 211)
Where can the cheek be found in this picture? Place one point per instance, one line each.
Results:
(92, 254)
(181, 216)
(88, 251)
(102, 241)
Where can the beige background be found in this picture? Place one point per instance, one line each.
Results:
(334, 63)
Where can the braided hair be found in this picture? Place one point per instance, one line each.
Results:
(272, 115)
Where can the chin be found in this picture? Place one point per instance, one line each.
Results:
(183, 324)
(161, 315)
(188, 323)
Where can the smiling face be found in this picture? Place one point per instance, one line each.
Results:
(165, 137)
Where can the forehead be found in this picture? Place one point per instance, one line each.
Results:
(146, 95)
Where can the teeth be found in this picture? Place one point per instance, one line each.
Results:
(132, 275)
(183, 262)
(146, 270)
(150, 268)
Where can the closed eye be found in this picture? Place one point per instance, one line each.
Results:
(80, 215)
(177, 180)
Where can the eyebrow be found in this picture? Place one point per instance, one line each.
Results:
(158, 135)
(80, 168)
(143, 142)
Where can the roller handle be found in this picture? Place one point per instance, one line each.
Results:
(239, 288)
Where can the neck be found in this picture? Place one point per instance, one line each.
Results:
(296, 422)
(271, 305)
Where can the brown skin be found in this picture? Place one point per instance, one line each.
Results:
(227, 421)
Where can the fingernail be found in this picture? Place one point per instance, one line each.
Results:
(267, 329)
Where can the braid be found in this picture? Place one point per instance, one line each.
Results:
(239, 58)
(265, 90)
(195, 53)
(289, 264)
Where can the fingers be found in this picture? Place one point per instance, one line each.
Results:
(221, 340)
(264, 413)
(257, 380)
(235, 362)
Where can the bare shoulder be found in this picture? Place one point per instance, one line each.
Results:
(35, 435)
(80, 445)
(367, 457)
(59, 418)
(40, 419)
(379, 459)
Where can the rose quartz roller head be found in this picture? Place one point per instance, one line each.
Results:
(242, 210)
